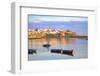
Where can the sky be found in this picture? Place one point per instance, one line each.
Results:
(33, 18)
(76, 24)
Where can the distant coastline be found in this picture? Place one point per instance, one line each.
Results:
(53, 33)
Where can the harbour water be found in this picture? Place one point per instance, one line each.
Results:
(79, 47)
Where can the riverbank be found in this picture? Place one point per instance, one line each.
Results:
(80, 37)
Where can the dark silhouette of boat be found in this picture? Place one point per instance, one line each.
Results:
(68, 52)
(55, 50)
(31, 51)
(60, 51)
(46, 45)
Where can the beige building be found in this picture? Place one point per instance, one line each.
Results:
(42, 33)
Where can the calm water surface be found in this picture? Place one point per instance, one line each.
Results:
(79, 46)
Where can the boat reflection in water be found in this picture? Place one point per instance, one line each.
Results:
(57, 48)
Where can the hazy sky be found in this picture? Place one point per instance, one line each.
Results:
(76, 24)
(33, 18)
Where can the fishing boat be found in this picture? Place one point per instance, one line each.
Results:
(60, 51)
(46, 45)
(68, 52)
(31, 51)
(55, 50)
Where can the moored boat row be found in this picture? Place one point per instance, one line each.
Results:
(57, 51)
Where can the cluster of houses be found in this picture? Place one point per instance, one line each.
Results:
(41, 33)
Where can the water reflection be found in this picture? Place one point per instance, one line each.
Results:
(79, 47)
(53, 41)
